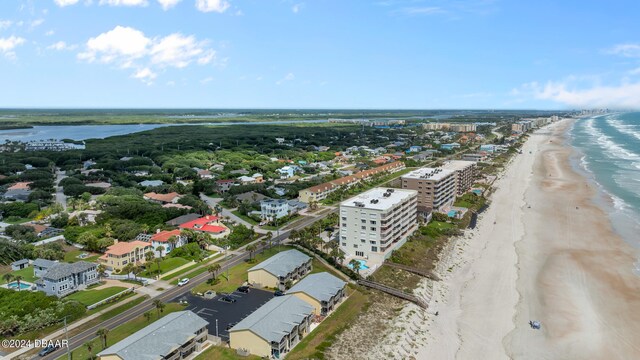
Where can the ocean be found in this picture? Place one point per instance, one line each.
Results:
(609, 154)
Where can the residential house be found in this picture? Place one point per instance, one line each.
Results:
(288, 171)
(323, 291)
(151, 183)
(173, 337)
(224, 185)
(414, 148)
(274, 272)
(164, 239)
(19, 265)
(451, 146)
(171, 197)
(122, 253)
(41, 266)
(205, 174)
(277, 208)
(182, 219)
(254, 179)
(475, 157)
(274, 328)
(209, 224)
(62, 278)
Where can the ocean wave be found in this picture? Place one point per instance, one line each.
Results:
(614, 150)
(623, 128)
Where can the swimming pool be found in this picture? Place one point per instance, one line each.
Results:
(363, 264)
(452, 213)
(23, 286)
(477, 191)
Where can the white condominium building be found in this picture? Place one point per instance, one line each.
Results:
(465, 174)
(376, 222)
(436, 187)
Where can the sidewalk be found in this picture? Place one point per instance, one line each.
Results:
(71, 326)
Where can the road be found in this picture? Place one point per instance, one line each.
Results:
(61, 198)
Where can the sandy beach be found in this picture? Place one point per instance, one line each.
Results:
(542, 251)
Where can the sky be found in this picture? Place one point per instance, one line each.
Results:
(333, 54)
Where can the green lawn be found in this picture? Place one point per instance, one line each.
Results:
(168, 264)
(90, 297)
(15, 220)
(244, 217)
(121, 332)
(26, 273)
(178, 274)
(223, 353)
(72, 256)
(238, 273)
(314, 344)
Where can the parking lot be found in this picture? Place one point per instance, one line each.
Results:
(226, 313)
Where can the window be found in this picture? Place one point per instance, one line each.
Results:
(373, 228)
(363, 227)
(374, 248)
(372, 242)
(343, 237)
(344, 224)
(363, 221)
(363, 241)
(359, 253)
(355, 246)
(344, 244)
(344, 218)
(373, 222)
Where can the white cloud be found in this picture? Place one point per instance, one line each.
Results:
(61, 45)
(49, 33)
(146, 75)
(288, 77)
(120, 44)
(171, 83)
(129, 48)
(63, 3)
(179, 51)
(624, 95)
(218, 6)
(36, 23)
(124, 2)
(5, 24)
(635, 71)
(7, 45)
(626, 50)
(206, 80)
(168, 4)
(297, 7)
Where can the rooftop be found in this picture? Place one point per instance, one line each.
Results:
(44, 263)
(163, 236)
(274, 320)
(282, 263)
(62, 270)
(458, 164)
(19, 186)
(158, 339)
(162, 197)
(377, 198)
(182, 219)
(205, 224)
(320, 286)
(124, 247)
(427, 173)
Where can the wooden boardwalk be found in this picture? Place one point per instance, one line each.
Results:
(427, 274)
(395, 292)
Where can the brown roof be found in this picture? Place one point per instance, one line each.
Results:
(355, 177)
(20, 186)
(162, 197)
(122, 248)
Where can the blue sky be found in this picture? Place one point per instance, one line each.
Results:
(393, 54)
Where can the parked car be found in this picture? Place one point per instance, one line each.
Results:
(244, 289)
(48, 350)
(227, 298)
(278, 293)
(184, 281)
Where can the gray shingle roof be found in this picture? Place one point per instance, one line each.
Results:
(61, 270)
(44, 263)
(275, 319)
(321, 286)
(158, 339)
(282, 263)
(182, 219)
(20, 262)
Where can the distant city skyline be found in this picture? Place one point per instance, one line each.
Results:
(286, 54)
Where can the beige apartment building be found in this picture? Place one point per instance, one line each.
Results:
(465, 174)
(290, 265)
(376, 222)
(122, 253)
(436, 187)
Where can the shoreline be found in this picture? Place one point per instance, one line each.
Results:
(562, 266)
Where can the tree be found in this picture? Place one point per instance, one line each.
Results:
(213, 269)
(160, 250)
(149, 256)
(101, 270)
(173, 240)
(251, 248)
(102, 334)
(17, 279)
(89, 346)
(158, 261)
(269, 238)
(159, 305)
(147, 315)
(8, 277)
(128, 269)
(136, 271)
(355, 265)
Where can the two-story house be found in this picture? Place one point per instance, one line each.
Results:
(120, 254)
(169, 240)
(62, 278)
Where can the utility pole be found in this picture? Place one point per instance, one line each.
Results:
(217, 328)
(66, 335)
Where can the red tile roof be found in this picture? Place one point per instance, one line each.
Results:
(204, 224)
(122, 248)
(163, 236)
(162, 197)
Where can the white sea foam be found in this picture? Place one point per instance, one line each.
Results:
(622, 127)
(614, 150)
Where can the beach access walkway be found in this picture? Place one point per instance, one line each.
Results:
(395, 292)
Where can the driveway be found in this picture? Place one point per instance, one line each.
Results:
(226, 313)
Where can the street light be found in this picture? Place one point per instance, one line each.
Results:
(217, 328)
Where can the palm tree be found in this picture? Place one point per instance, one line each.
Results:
(213, 269)
(173, 240)
(136, 270)
(8, 277)
(127, 269)
(101, 270)
(355, 265)
(102, 334)
(159, 306)
(158, 261)
(269, 238)
(251, 248)
(17, 279)
(160, 250)
(149, 256)
(147, 315)
(89, 346)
